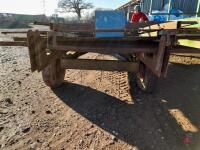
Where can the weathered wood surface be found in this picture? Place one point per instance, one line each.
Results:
(155, 62)
(13, 43)
(106, 65)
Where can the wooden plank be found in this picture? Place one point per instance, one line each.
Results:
(105, 49)
(185, 49)
(106, 65)
(32, 53)
(188, 36)
(94, 39)
(140, 25)
(160, 54)
(88, 27)
(155, 62)
(13, 43)
(166, 26)
(14, 32)
(170, 25)
(41, 57)
(20, 32)
(133, 28)
(192, 55)
(40, 50)
(74, 55)
(165, 64)
(18, 39)
(37, 51)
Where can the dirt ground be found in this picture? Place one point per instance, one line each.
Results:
(96, 109)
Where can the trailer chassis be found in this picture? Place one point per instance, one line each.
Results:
(54, 51)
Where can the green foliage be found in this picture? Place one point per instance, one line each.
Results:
(11, 21)
(74, 6)
(13, 25)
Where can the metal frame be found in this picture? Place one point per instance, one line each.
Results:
(106, 65)
(154, 52)
(169, 8)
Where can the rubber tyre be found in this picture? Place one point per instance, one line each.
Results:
(53, 75)
(145, 79)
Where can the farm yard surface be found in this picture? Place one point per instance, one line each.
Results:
(97, 109)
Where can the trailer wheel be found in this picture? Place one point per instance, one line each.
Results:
(145, 79)
(53, 75)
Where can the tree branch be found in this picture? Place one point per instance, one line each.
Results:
(75, 6)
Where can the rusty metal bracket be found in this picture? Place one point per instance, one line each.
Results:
(155, 61)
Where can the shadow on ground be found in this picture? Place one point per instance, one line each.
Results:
(161, 122)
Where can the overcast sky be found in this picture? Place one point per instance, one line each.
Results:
(36, 6)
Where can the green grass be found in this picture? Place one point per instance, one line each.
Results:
(193, 19)
(191, 43)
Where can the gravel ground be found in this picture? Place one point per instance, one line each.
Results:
(96, 109)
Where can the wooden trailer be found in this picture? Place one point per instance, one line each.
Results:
(145, 49)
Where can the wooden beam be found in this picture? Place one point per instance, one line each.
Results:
(90, 28)
(18, 39)
(193, 55)
(185, 49)
(105, 49)
(155, 62)
(106, 65)
(76, 27)
(20, 32)
(12, 43)
(166, 26)
(93, 39)
(31, 48)
(74, 55)
(39, 58)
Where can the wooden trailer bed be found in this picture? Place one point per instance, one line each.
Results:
(145, 49)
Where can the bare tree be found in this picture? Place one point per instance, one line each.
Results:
(75, 6)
